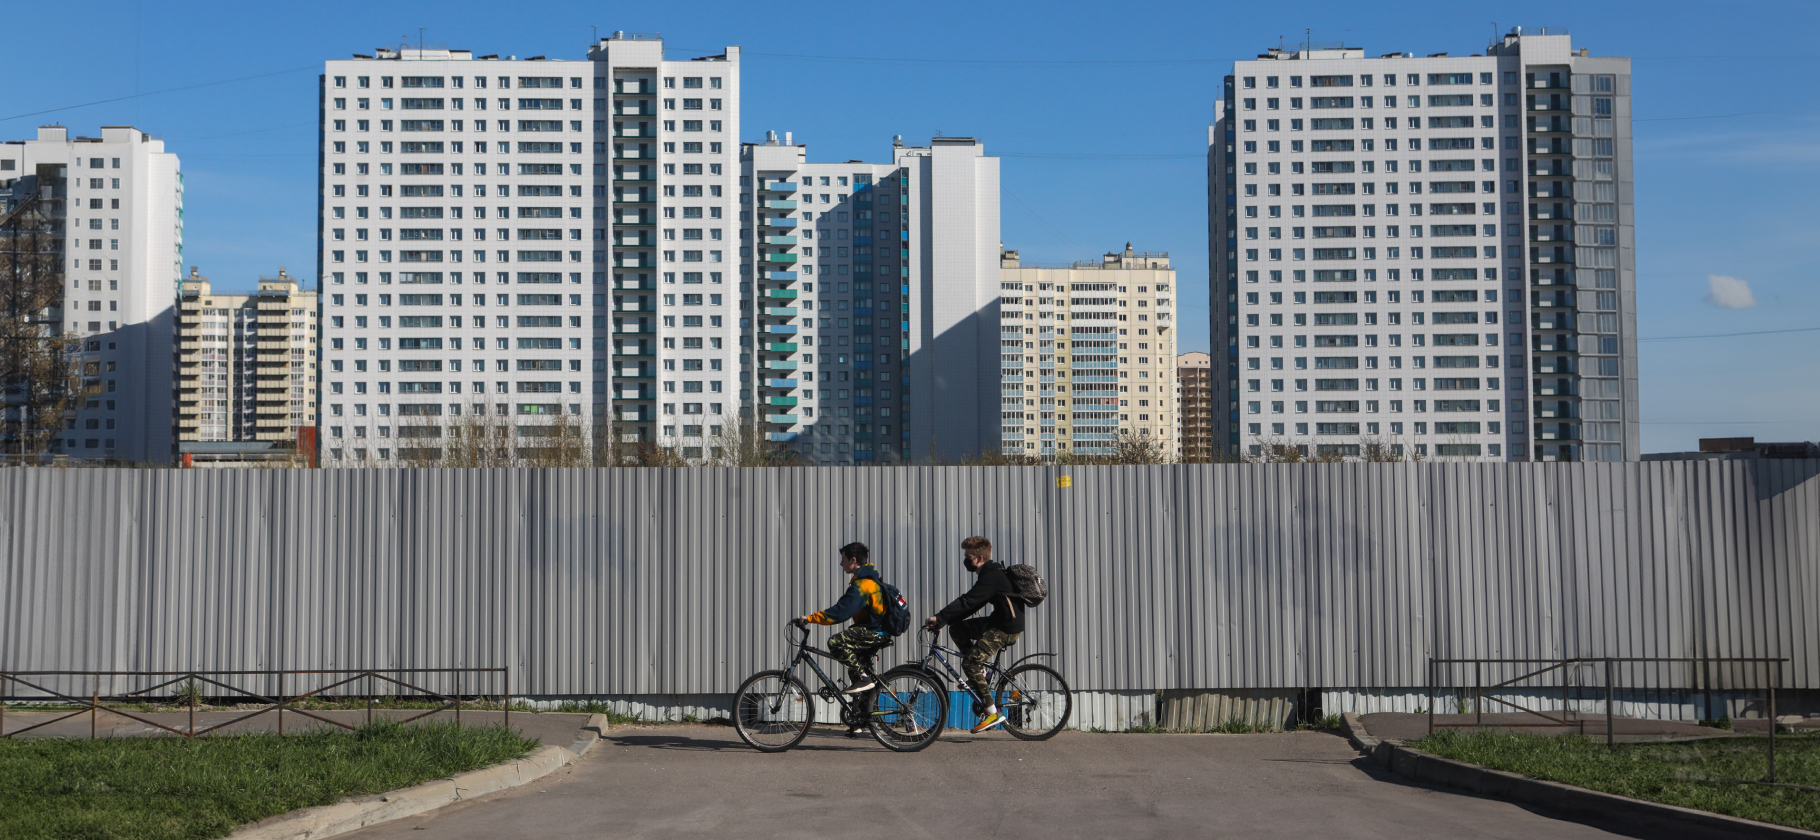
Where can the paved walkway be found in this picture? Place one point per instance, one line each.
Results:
(554, 728)
(700, 781)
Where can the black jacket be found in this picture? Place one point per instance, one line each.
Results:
(993, 587)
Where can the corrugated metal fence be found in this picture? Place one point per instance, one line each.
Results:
(678, 581)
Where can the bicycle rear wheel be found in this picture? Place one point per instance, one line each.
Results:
(908, 710)
(1036, 701)
(772, 711)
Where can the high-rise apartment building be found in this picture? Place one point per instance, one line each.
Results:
(1435, 253)
(501, 250)
(115, 203)
(246, 363)
(869, 299)
(1194, 405)
(1088, 354)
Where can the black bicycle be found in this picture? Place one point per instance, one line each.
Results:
(1035, 700)
(774, 709)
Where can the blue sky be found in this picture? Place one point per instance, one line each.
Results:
(1099, 109)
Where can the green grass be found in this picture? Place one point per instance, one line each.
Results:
(171, 789)
(1697, 774)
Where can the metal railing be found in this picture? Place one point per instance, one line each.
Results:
(188, 688)
(1770, 669)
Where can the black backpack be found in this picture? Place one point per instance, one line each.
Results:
(1030, 586)
(896, 620)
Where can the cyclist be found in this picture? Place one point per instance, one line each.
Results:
(981, 638)
(864, 602)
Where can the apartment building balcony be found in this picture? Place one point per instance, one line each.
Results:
(786, 259)
(788, 402)
(780, 329)
(641, 328)
(641, 218)
(780, 437)
(1552, 343)
(635, 263)
(634, 90)
(779, 186)
(622, 109)
(1557, 431)
(635, 177)
(778, 221)
(1558, 255)
(1555, 388)
(779, 204)
(621, 154)
(787, 419)
(783, 347)
(643, 391)
(1563, 320)
(1557, 410)
(779, 311)
(780, 275)
(634, 414)
(625, 352)
(782, 383)
(780, 294)
(641, 198)
(635, 132)
(642, 239)
(646, 306)
(1552, 364)
(780, 240)
(780, 365)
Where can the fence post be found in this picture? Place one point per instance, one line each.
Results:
(506, 675)
(458, 699)
(281, 704)
(94, 707)
(369, 698)
(6, 684)
(1478, 695)
(1431, 695)
(1609, 693)
(1770, 669)
(197, 686)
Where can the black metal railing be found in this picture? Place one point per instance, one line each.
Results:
(189, 688)
(1734, 673)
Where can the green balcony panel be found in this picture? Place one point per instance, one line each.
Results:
(784, 311)
(780, 365)
(780, 401)
(781, 294)
(780, 418)
(780, 240)
(780, 204)
(782, 347)
(781, 258)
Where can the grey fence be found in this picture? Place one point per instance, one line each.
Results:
(678, 581)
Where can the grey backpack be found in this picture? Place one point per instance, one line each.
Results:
(1031, 589)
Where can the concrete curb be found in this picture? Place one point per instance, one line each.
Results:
(356, 814)
(1405, 761)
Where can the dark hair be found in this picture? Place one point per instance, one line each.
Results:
(977, 547)
(857, 551)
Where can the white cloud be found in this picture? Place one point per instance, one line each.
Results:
(1729, 292)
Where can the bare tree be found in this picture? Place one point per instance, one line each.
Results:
(39, 367)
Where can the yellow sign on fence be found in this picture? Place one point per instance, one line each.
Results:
(1064, 481)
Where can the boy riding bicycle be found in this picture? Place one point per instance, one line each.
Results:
(864, 602)
(981, 638)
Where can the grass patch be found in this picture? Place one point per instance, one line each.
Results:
(174, 789)
(1697, 774)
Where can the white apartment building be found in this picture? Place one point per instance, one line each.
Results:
(867, 292)
(119, 199)
(1088, 354)
(496, 236)
(1435, 253)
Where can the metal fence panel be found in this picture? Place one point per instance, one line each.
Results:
(678, 581)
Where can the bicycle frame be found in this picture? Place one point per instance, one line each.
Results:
(830, 688)
(993, 669)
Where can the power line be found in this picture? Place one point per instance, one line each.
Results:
(153, 92)
(1729, 335)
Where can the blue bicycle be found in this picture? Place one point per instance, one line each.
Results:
(1035, 700)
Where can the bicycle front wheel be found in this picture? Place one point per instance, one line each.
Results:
(1035, 700)
(908, 710)
(772, 711)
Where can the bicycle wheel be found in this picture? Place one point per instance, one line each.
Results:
(772, 711)
(908, 710)
(1036, 701)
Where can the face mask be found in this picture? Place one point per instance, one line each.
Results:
(967, 563)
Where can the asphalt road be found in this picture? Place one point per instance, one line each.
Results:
(700, 781)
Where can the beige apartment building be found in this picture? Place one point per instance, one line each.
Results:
(1194, 405)
(245, 369)
(1087, 353)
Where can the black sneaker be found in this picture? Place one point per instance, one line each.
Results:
(861, 687)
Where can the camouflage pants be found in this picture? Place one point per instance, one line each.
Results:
(978, 643)
(854, 647)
